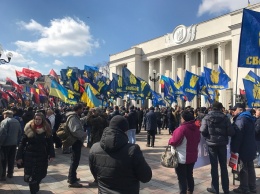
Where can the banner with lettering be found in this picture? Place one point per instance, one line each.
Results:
(252, 93)
(249, 48)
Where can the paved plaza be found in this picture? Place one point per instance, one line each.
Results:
(164, 180)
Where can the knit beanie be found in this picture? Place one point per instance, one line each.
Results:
(119, 122)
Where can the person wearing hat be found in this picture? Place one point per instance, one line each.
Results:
(185, 139)
(244, 144)
(10, 131)
(117, 165)
(216, 128)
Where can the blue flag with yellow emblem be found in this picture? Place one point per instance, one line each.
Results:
(157, 99)
(178, 87)
(191, 85)
(251, 76)
(116, 86)
(252, 93)
(145, 90)
(249, 46)
(131, 83)
(217, 80)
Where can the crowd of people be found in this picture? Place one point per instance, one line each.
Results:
(28, 139)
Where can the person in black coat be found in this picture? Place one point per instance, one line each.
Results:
(35, 151)
(151, 127)
(244, 144)
(28, 115)
(117, 165)
(132, 119)
(257, 135)
(58, 121)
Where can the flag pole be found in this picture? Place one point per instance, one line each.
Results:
(236, 87)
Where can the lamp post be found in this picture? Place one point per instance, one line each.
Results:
(9, 55)
(154, 78)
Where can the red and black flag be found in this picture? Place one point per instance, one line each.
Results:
(17, 87)
(23, 78)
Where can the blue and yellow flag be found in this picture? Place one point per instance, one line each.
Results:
(62, 93)
(116, 85)
(217, 80)
(178, 87)
(145, 92)
(130, 83)
(252, 93)
(251, 76)
(249, 46)
(92, 72)
(191, 85)
(157, 99)
(168, 89)
(89, 98)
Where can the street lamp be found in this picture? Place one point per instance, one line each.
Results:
(9, 55)
(154, 78)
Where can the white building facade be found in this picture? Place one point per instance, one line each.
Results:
(210, 43)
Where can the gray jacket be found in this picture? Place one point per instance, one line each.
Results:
(75, 125)
(10, 131)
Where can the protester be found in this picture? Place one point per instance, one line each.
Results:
(28, 115)
(186, 139)
(257, 136)
(10, 131)
(132, 119)
(216, 128)
(117, 165)
(151, 127)
(158, 120)
(244, 144)
(58, 121)
(75, 125)
(140, 114)
(171, 120)
(35, 151)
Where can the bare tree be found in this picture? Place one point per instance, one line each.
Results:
(103, 68)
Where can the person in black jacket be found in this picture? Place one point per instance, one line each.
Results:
(114, 113)
(257, 135)
(151, 127)
(244, 144)
(216, 127)
(28, 115)
(132, 119)
(58, 121)
(117, 165)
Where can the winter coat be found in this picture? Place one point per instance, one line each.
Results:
(186, 139)
(35, 149)
(10, 130)
(75, 125)
(257, 129)
(244, 142)
(151, 122)
(216, 128)
(116, 112)
(132, 119)
(118, 165)
(27, 116)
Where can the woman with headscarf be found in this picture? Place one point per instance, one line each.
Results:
(35, 151)
(186, 139)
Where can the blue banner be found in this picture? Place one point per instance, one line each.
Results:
(249, 48)
(191, 85)
(130, 83)
(252, 93)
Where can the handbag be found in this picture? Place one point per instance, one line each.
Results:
(169, 158)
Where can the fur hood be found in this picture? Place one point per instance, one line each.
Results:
(29, 132)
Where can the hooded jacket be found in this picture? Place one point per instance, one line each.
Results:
(118, 165)
(186, 139)
(244, 142)
(216, 127)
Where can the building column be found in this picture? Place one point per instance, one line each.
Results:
(221, 62)
(203, 54)
(151, 68)
(188, 68)
(174, 67)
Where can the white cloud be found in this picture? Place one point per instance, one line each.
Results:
(58, 62)
(215, 7)
(8, 70)
(64, 37)
(19, 59)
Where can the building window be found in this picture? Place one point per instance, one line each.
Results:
(184, 62)
(199, 59)
(216, 56)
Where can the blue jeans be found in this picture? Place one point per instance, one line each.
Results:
(131, 136)
(219, 154)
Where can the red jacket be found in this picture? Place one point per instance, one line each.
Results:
(186, 139)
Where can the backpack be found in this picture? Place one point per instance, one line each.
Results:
(65, 135)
